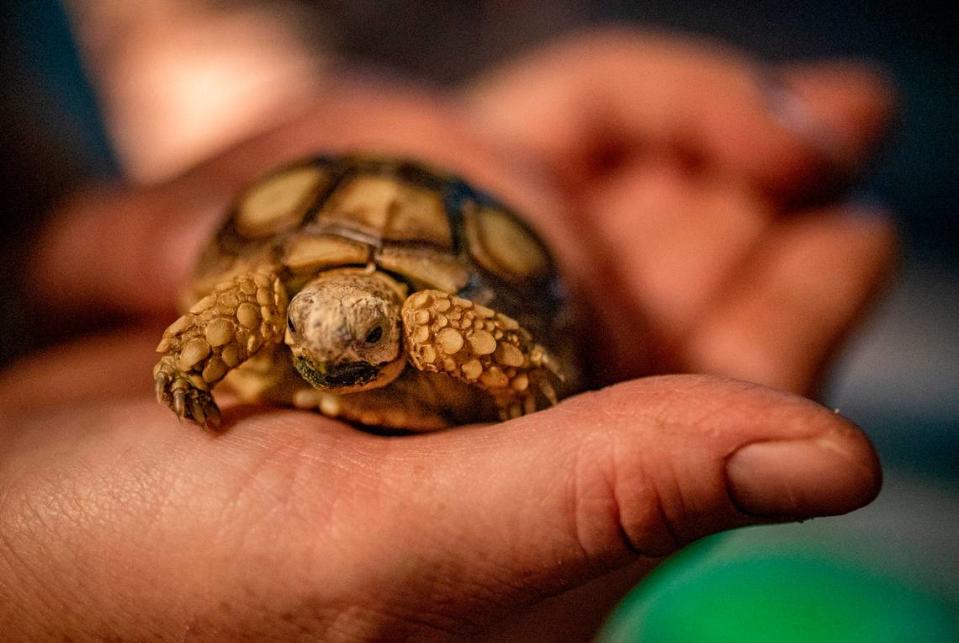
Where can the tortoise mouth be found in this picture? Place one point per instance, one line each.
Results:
(339, 376)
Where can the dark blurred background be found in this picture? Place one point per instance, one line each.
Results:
(95, 89)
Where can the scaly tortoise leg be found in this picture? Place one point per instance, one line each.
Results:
(451, 335)
(219, 332)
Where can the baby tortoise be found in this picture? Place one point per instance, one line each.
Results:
(375, 290)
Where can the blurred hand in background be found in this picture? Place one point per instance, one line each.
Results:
(666, 176)
(688, 166)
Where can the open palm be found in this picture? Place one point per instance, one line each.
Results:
(117, 522)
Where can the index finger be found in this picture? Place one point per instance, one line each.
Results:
(130, 251)
(122, 251)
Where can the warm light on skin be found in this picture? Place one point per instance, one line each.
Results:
(178, 81)
(377, 532)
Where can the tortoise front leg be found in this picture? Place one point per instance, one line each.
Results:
(451, 335)
(220, 332)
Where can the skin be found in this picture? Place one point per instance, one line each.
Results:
(117, 523)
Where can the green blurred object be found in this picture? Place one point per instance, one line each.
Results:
(788, 597)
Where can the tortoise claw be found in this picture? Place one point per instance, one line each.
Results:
(204, 412)
(546, 389)
(160, 384)
(196, 412)
(179, 403)
(213, 419)
(178, 393)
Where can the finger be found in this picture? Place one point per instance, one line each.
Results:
(582, 100)
(118, 250)
(852, 103)
(674, 240)
(328, 529)
(781, 317)
(131, 250)
(537, 506)
(105, 367)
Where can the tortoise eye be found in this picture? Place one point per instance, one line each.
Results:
(290, 324)
(374, 335)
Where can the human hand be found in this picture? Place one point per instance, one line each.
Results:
(117, 522)
(698, 176)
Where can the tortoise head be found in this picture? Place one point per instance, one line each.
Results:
(343, 329)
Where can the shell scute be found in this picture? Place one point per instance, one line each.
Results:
(503, 245)
(389, 208)
(278, 203)
(308, 252)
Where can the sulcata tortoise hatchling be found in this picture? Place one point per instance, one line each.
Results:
(375, 290)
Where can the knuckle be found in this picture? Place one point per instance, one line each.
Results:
(617, 507)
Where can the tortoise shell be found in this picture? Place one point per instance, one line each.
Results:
(426, 228)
